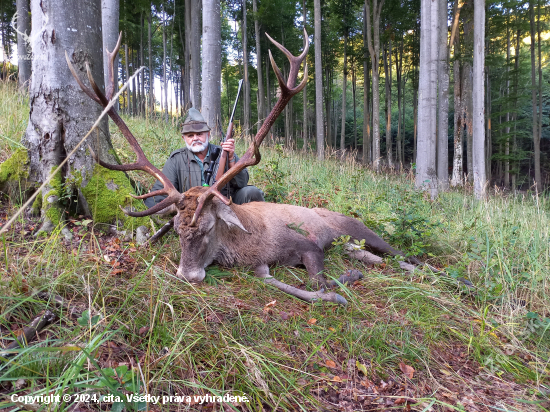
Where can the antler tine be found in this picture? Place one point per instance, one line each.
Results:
(252, 155)
(112, 56)
(84, 88)
(141, 163)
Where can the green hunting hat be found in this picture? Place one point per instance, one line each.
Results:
(194, 122)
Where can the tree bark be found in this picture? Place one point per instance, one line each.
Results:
(195, 55)
(109, 23)
(304, 91)
(467, 86)
(456, 179)
(61, 114)
(128, 90)
(353, 90)
(478, 100)
(366, 87)
(319, 124)
(443, 101)
(246, 84)
(262, 113)
(535, 107)
(399, 78)
(426, 174)
(344, 87)
(507, 129)
(211, 65)
(24, 50)
(151, 74)
(374, 50)
(387, 81)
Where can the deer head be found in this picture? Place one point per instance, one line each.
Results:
(199, 209)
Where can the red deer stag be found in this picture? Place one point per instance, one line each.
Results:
(256, 234)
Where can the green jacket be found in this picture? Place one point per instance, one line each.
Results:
(184, 172)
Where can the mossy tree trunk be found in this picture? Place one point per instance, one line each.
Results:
(61, 114)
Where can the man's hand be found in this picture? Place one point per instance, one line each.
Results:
(229, 147)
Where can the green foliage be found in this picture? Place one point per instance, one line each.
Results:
(273, 177)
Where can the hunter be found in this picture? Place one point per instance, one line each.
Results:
(185, 167)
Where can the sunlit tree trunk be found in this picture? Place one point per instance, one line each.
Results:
(151, 74)
(366, 110)
(211, 64)
(478, 100)
(246, 84)
(319, 124)
(374, 51)
(426, 175)
(443, 101)
(261, 94)
(23, 44)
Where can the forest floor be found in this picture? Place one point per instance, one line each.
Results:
(406, 341)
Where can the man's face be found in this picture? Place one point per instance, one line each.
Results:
(196, 141)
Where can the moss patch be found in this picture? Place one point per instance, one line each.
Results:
(105, 192)
(14, 168)
(37, 205)
(50, 199)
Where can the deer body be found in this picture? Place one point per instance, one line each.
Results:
(260, 234)
(256, 235)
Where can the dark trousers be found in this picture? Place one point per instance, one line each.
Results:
(248, 194)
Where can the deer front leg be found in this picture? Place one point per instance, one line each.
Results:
(262, 271)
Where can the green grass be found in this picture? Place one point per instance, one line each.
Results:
(487, 346)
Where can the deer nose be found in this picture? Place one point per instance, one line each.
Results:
(194, 276)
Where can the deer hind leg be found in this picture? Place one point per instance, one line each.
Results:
(262, 271)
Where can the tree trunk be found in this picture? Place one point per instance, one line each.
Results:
(61, 114)
(443, 101)
(246, 84)
(328, 99)
(535, 108)
(151, 74)
(23, 44)
(128, 90)
(456, 179)
(507, 129)
(387, 81)
(319, 124)
(262, 113)
(344, 87)
(353, 90)
(304, 91)
(195, 54)
(142, 104)
(211, 67)
(478, 100)
(164, 79)
(426, 175)
(374, 50)
(467, 86)
(366, 110)
(399, 77)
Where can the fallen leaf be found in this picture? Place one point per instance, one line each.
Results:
(332, 329)
(330, 363)
(269, 305)
(407, 370)
(400, 401)
(444, 372)
(106, 257)
(143, 330)
(361, 367)
(116, 271)
(284, 316)
(337, 379)
(312, 321)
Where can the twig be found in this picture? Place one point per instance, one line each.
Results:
(29, 333)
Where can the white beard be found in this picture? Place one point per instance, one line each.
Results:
(197, 147)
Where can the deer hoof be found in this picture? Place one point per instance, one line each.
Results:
(340, 299)
(348, 276)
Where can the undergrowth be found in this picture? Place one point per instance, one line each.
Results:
(421, 341)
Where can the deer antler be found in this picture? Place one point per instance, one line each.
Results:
(142, 163)
(252, 156)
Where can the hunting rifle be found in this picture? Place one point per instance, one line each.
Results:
(217, 159)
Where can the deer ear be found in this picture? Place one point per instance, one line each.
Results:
(225, 213)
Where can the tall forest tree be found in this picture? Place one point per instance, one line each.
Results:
(61, 114)
(478, 100)
(319, 124)
(23, 46)
(426, 174)
(211, 64)
(109, 28)
(374, 51)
